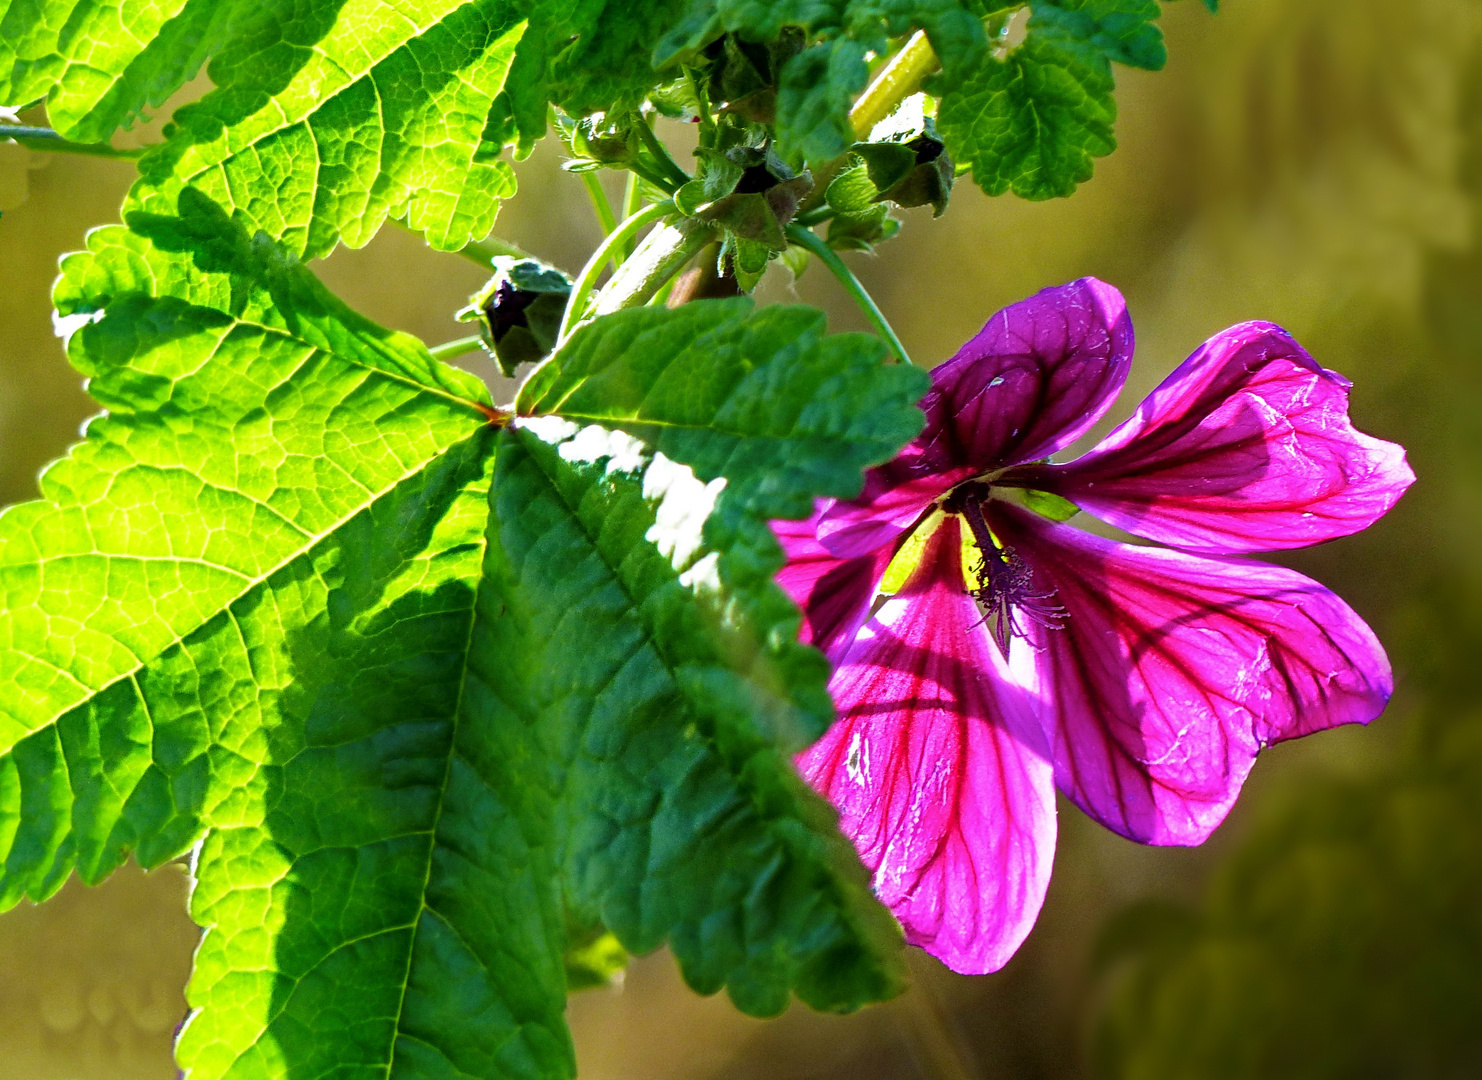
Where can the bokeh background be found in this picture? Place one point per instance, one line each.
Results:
(1313, 162)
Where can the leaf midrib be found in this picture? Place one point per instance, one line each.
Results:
(311, 541)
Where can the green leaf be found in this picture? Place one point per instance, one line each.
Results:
(590, 57)
(429, 755)
(332, 119)
(669, 700)
(242, 617)
(1124, 31)
(662, 662)
(100, 66)
(1033, 121)
(765, 399)
(813, 99)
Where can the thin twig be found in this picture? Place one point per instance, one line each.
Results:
(605, 215)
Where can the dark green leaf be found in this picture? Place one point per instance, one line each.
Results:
(586, 57)
(817, 89)
(1121, 30)
(656, 670)
(767, 400)
(1033, 121)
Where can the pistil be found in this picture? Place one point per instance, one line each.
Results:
(1005, 583)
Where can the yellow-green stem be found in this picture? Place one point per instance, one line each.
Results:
(897, 81)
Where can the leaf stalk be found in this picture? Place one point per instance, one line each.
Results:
(605, 216)
(485, 251)
(48, 141)
(459, 347)
(807, 238)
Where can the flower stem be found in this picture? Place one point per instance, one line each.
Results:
(897, 81)
(632, 203)
(806, 238)
(485, 251)
(449, 349)
(581, 289)
(48, 141)
(599, 201)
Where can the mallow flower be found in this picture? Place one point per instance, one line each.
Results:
(1021, 654)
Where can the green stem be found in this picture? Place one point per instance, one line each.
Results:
(48, 141)
(817, 216)
(897, 81)
(449, 349)
(485, 251)
(676, 176)
(599, 201)
(632, 203)
(806, 238)
(581, 289)
(663, 253)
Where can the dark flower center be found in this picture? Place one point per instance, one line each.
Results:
(1005, 583)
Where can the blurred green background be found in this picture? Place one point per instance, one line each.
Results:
(1313, 162)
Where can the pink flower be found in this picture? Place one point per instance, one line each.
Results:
(1140, 681)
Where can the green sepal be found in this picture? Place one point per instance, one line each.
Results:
(747, 259)
(911, 167)
(1048, 504)
(861, 232)
(750, 193)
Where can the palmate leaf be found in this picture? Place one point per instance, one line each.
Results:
(265, 611)
(330, 118)
(1034, 120)
(100, 65)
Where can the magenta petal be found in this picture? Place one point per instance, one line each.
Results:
(1247, 446)
(835, 594)
(938, 767)
(1172, 670)
(1033, 380)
